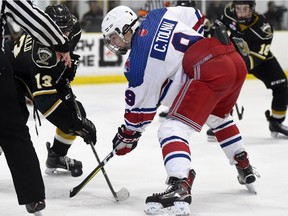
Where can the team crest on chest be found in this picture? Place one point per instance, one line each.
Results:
(44, 54)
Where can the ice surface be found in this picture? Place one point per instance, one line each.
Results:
(216, 191)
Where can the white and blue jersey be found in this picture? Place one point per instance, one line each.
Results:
(154, 66)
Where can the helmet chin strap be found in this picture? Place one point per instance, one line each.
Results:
(128, 47)
(127, 42)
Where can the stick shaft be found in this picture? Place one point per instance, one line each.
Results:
(104, 173)
(79, 187)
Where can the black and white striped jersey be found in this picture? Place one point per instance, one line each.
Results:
(34, 21)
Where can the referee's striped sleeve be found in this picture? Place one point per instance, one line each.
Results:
(35, 22)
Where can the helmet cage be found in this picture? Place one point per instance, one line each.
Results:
(119, 20)
(113, 47)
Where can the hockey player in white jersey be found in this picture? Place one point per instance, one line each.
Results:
(200, 79)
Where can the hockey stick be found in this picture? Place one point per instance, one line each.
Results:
(239, 114)
(76, 189)
(123, 194)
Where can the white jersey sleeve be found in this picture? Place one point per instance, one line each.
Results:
(154, 66)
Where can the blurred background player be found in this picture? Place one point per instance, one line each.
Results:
(275, 15)
(48, 85)
(91, 20)
(156, 4)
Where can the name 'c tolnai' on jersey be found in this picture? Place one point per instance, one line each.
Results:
(154, 66)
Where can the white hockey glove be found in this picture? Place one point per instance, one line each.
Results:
(242, 46)
(125, 140)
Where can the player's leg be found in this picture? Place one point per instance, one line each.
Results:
(173, 136)
(61, 117)
(188, 113)
(230, 140)
(225, 129)
(274, 78)
(16, 143)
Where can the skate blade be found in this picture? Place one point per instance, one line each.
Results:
(251, 188)
(57, 172)
(178, 209)
(278, 135)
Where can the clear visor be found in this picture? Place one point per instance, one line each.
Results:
(115, 43)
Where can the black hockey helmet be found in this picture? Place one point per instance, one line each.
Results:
(251, 3)
(187, 3)
(61, 15)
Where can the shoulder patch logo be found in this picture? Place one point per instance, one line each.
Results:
(44, 54)
(266, 28)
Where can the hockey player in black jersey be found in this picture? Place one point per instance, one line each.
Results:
(252, 35)
(48, 81)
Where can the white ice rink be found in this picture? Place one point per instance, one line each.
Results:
(216, 191)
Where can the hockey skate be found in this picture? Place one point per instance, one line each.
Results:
(211, 136)
(275, 126)
(61, 165)
(36, 207)
(175, 200)
(246, 175)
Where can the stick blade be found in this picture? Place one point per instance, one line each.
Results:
(75, 190)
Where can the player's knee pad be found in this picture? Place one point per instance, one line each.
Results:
(171, 127)
(215, 121)
(173, 137)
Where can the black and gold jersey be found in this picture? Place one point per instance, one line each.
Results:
(258, 35)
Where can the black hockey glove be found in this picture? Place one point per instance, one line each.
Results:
(87, 130)
(219, 31)
(125, 140)
(70, 73)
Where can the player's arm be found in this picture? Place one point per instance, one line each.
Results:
(82, 125)
(141, 106)
(75, 34)
(258, 51)
(36, 23)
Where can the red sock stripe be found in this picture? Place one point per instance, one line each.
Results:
(226, 133)
(176, 147)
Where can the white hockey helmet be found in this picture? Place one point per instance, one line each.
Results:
(119, 20)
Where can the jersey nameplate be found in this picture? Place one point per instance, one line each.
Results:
(162, 39)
